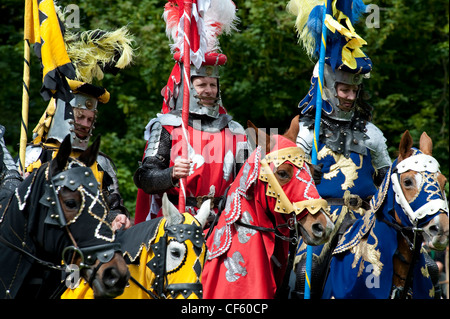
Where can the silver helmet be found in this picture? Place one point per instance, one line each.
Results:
(64, 123)
(195, 106)
(331, 78)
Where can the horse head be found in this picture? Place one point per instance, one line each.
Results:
(419, 188)
(290, 185)
(185, 251)
(76, 203)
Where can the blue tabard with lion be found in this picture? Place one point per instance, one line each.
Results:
(340, 174)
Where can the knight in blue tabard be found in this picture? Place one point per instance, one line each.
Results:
(351, 151)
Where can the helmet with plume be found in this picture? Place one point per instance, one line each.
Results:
(92, 53)
(345, 62)
(210, 18)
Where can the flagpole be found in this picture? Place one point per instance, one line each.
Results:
(309, 249)
(25, 105)
(186, 97)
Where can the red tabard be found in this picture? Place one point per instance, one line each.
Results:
(210, 153)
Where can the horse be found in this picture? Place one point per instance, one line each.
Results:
(270, 203)
(165, 256)
(58, 213)
(381, 255)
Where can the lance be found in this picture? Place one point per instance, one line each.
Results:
(185, 111)
(323, 47)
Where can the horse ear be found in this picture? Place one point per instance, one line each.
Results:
(203, 213)
(259, 137)
(292, 132)
(89, 156)
(170, 212)
(405, 146)
(60, 161)
(426, 144)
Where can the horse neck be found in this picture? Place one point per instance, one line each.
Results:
(402, 260)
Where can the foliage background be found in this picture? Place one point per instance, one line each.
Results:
(267, 73)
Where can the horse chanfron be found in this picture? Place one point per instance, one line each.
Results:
(77, 205)
(165, 257)
(419, 187)
(58, 213)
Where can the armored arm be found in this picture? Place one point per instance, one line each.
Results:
(305, 138)
(378, 149)
(111, 187)
(9, 176)
(154, 175)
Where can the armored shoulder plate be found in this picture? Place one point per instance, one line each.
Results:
(305, 137)
(153, 140)
(106, 164)
(32, 154)
(235, 127)
(169, 119)
(377, 145)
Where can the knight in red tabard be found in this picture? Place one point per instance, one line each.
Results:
(217, 145)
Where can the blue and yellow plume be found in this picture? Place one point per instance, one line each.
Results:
(343, 45)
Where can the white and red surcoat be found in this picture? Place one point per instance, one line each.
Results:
(213, 153)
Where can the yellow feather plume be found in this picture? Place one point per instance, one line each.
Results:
(96, 51)
(301, 9)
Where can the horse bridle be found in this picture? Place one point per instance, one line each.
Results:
(418, 163)
(73, 179)
(181, 233)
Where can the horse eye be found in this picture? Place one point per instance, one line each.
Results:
(283, 174)
(175, 253)
(71, 203)
(408, 182)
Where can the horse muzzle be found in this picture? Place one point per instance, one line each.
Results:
(436, 232)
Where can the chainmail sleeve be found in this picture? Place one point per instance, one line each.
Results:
(154, 175)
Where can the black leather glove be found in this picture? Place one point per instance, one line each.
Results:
(317, 175)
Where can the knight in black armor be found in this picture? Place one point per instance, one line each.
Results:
(77, 118)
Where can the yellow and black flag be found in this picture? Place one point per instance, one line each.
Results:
(44, 29)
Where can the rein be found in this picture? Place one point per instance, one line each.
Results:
(414, 246)
(26, 253)
(291, 225)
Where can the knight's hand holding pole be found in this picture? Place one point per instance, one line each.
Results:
(181, 168)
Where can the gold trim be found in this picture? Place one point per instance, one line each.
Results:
(284, 205)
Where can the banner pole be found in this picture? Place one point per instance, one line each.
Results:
(309, 249)
(186, 96)
(25, 106)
